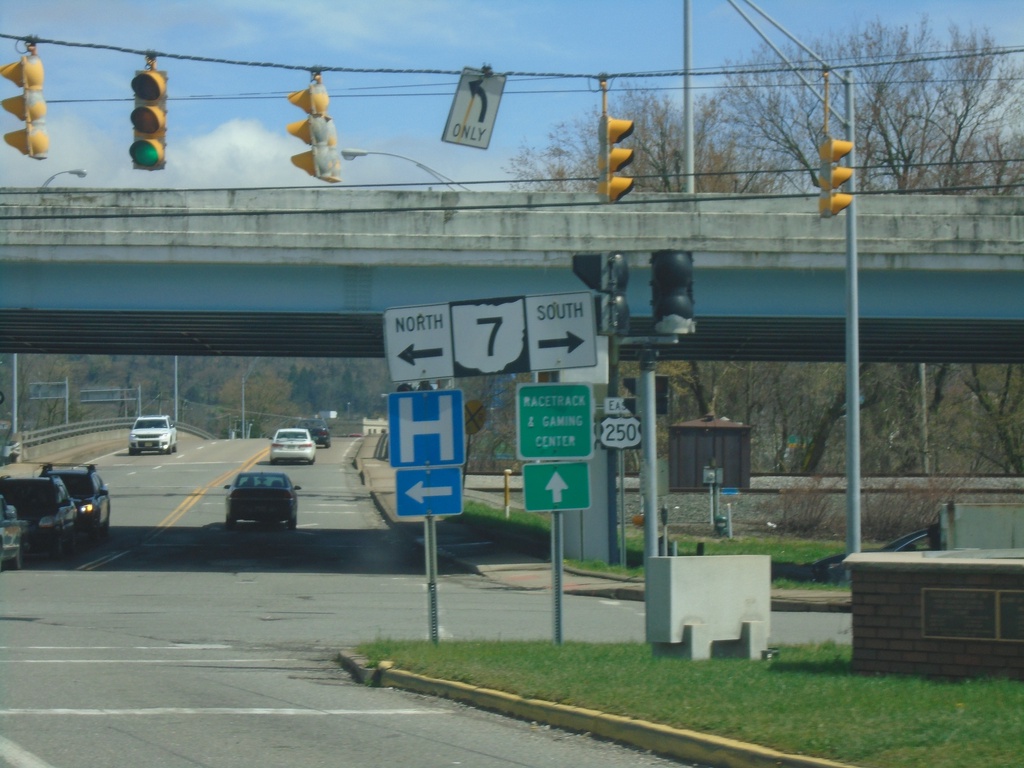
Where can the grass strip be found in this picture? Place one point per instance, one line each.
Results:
(532, 532)
(804, 701)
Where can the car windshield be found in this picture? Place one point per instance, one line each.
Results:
(78, 485)
(262, 480)
(292, 434)
(150, 424)
(25, 495)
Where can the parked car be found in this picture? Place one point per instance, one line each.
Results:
(153, 433)
(830, 569)
(292, 444)
(318, 430)
(265, 497)
(10, 534)
(48, 510)
(90, 494)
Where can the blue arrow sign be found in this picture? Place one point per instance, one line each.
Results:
(428, 491)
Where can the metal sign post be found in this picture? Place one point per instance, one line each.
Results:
(430, 550)
(557, 549)
(427, 449)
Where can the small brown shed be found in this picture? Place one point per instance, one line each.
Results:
(693, 445)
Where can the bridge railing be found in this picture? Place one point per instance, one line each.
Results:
(30, 441)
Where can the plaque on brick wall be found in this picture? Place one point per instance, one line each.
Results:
(959, 613)
(1011, 615)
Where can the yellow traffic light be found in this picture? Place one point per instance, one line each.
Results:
(831, 176)
(317, 130)
(613, 159)
(27, 74)
(149, 118)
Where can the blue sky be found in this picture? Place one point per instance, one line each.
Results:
(226, 123)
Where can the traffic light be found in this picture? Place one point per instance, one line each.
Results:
(317, 130)
(832, 176)
(27, 74)
(672, 291)
(149, 118)
(613, 159)
(607, 273)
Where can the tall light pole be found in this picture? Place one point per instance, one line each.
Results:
(352, 154)
(244, 378)
(79, 172)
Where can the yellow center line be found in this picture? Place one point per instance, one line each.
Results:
(180, 510)
(195, 496)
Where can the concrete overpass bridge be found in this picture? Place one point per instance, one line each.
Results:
(308, 272)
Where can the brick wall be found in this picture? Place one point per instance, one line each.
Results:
(947, 617)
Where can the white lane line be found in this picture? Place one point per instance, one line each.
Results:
(171, 647)
(205, 711)
(250, 662)
(16, 757)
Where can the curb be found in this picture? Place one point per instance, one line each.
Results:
(677, 743)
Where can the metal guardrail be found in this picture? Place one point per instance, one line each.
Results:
(36, 437)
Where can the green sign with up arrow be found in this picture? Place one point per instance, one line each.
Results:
(551, 487)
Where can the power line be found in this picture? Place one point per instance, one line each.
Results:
(721, 71)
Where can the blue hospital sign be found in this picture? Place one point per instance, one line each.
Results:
(427, 428)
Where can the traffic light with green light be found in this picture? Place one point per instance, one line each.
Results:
(672, 291)
(149, 118)
(613, 159)
(832, 176)
(27, 74)
(318, 130)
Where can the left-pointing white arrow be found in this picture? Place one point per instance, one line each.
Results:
(556, 485)
(419, 492)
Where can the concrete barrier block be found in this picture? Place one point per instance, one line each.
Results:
(699, 607)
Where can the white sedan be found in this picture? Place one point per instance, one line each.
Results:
(292, 445)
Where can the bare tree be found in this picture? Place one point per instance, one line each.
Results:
(568, 162)
(929, 115)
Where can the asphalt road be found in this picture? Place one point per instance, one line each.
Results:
(174, 642)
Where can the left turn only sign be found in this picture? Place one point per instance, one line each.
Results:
(474, 109)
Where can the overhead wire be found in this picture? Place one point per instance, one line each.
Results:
(719, 71)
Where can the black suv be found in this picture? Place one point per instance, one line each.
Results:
(46, 506)
(318, 430)
(89, 493)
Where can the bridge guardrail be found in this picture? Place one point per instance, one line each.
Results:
(31, 440)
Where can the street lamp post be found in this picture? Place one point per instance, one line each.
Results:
(352, 154)
(244, 431)
(79, 172)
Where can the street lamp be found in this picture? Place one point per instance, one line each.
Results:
(352, 154)
(245, 433)
(79, 172)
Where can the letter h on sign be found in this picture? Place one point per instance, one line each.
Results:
(427, 428)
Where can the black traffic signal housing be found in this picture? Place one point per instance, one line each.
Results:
(661, 395)
(27, 74)
(607, 273)
(672, 291)
(149, 118)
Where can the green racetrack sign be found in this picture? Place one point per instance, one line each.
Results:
(555, 421)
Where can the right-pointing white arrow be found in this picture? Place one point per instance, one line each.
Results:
(556, 485)
(419, 492)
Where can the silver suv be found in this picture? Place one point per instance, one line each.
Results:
(153, 433)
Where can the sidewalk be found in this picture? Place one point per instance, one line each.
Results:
(531, 573)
